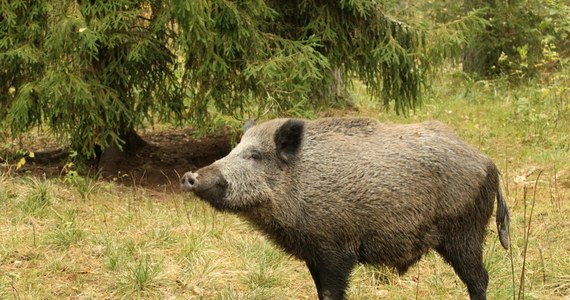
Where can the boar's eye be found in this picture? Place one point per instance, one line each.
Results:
(255, 155)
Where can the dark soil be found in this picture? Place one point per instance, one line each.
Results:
(157, 165)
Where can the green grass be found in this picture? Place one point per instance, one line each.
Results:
(37, 198)
(81, 238)
(66, 231)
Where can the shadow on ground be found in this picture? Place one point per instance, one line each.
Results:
(158, 165)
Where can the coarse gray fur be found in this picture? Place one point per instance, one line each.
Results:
(335, 192)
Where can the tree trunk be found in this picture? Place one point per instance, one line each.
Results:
(337, 91)
(481, 53)
(112, 156)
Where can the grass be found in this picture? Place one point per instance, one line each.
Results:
(82, 238)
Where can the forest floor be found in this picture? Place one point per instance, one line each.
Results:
(169, 153)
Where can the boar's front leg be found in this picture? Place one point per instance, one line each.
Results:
(331, 279)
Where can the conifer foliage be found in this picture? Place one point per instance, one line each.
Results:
(93, 71)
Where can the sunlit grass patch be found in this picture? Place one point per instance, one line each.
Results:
(66, 231)
(141, 277)
(114, 258)
(37, 198)
(264, 271)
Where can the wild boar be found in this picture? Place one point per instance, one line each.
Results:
(336, 192)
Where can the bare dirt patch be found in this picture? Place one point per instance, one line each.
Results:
(167, 156)
(157, 165)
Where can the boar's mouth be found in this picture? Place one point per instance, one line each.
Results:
(214, 194)
(208, 184)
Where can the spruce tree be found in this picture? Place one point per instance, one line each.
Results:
(22, 31)
(105, 67)
(277, 53)
(95, 71)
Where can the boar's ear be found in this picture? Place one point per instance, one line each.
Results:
(288, 138)
(248, 124)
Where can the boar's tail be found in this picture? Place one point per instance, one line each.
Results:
(502, 219)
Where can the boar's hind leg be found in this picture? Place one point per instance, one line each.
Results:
(331, 280)
(464, 254)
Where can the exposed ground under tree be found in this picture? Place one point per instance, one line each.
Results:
(158, 165)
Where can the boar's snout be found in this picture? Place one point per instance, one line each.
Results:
(208, 184)
(188, 181)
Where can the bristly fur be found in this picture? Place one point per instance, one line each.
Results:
(336, 192)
